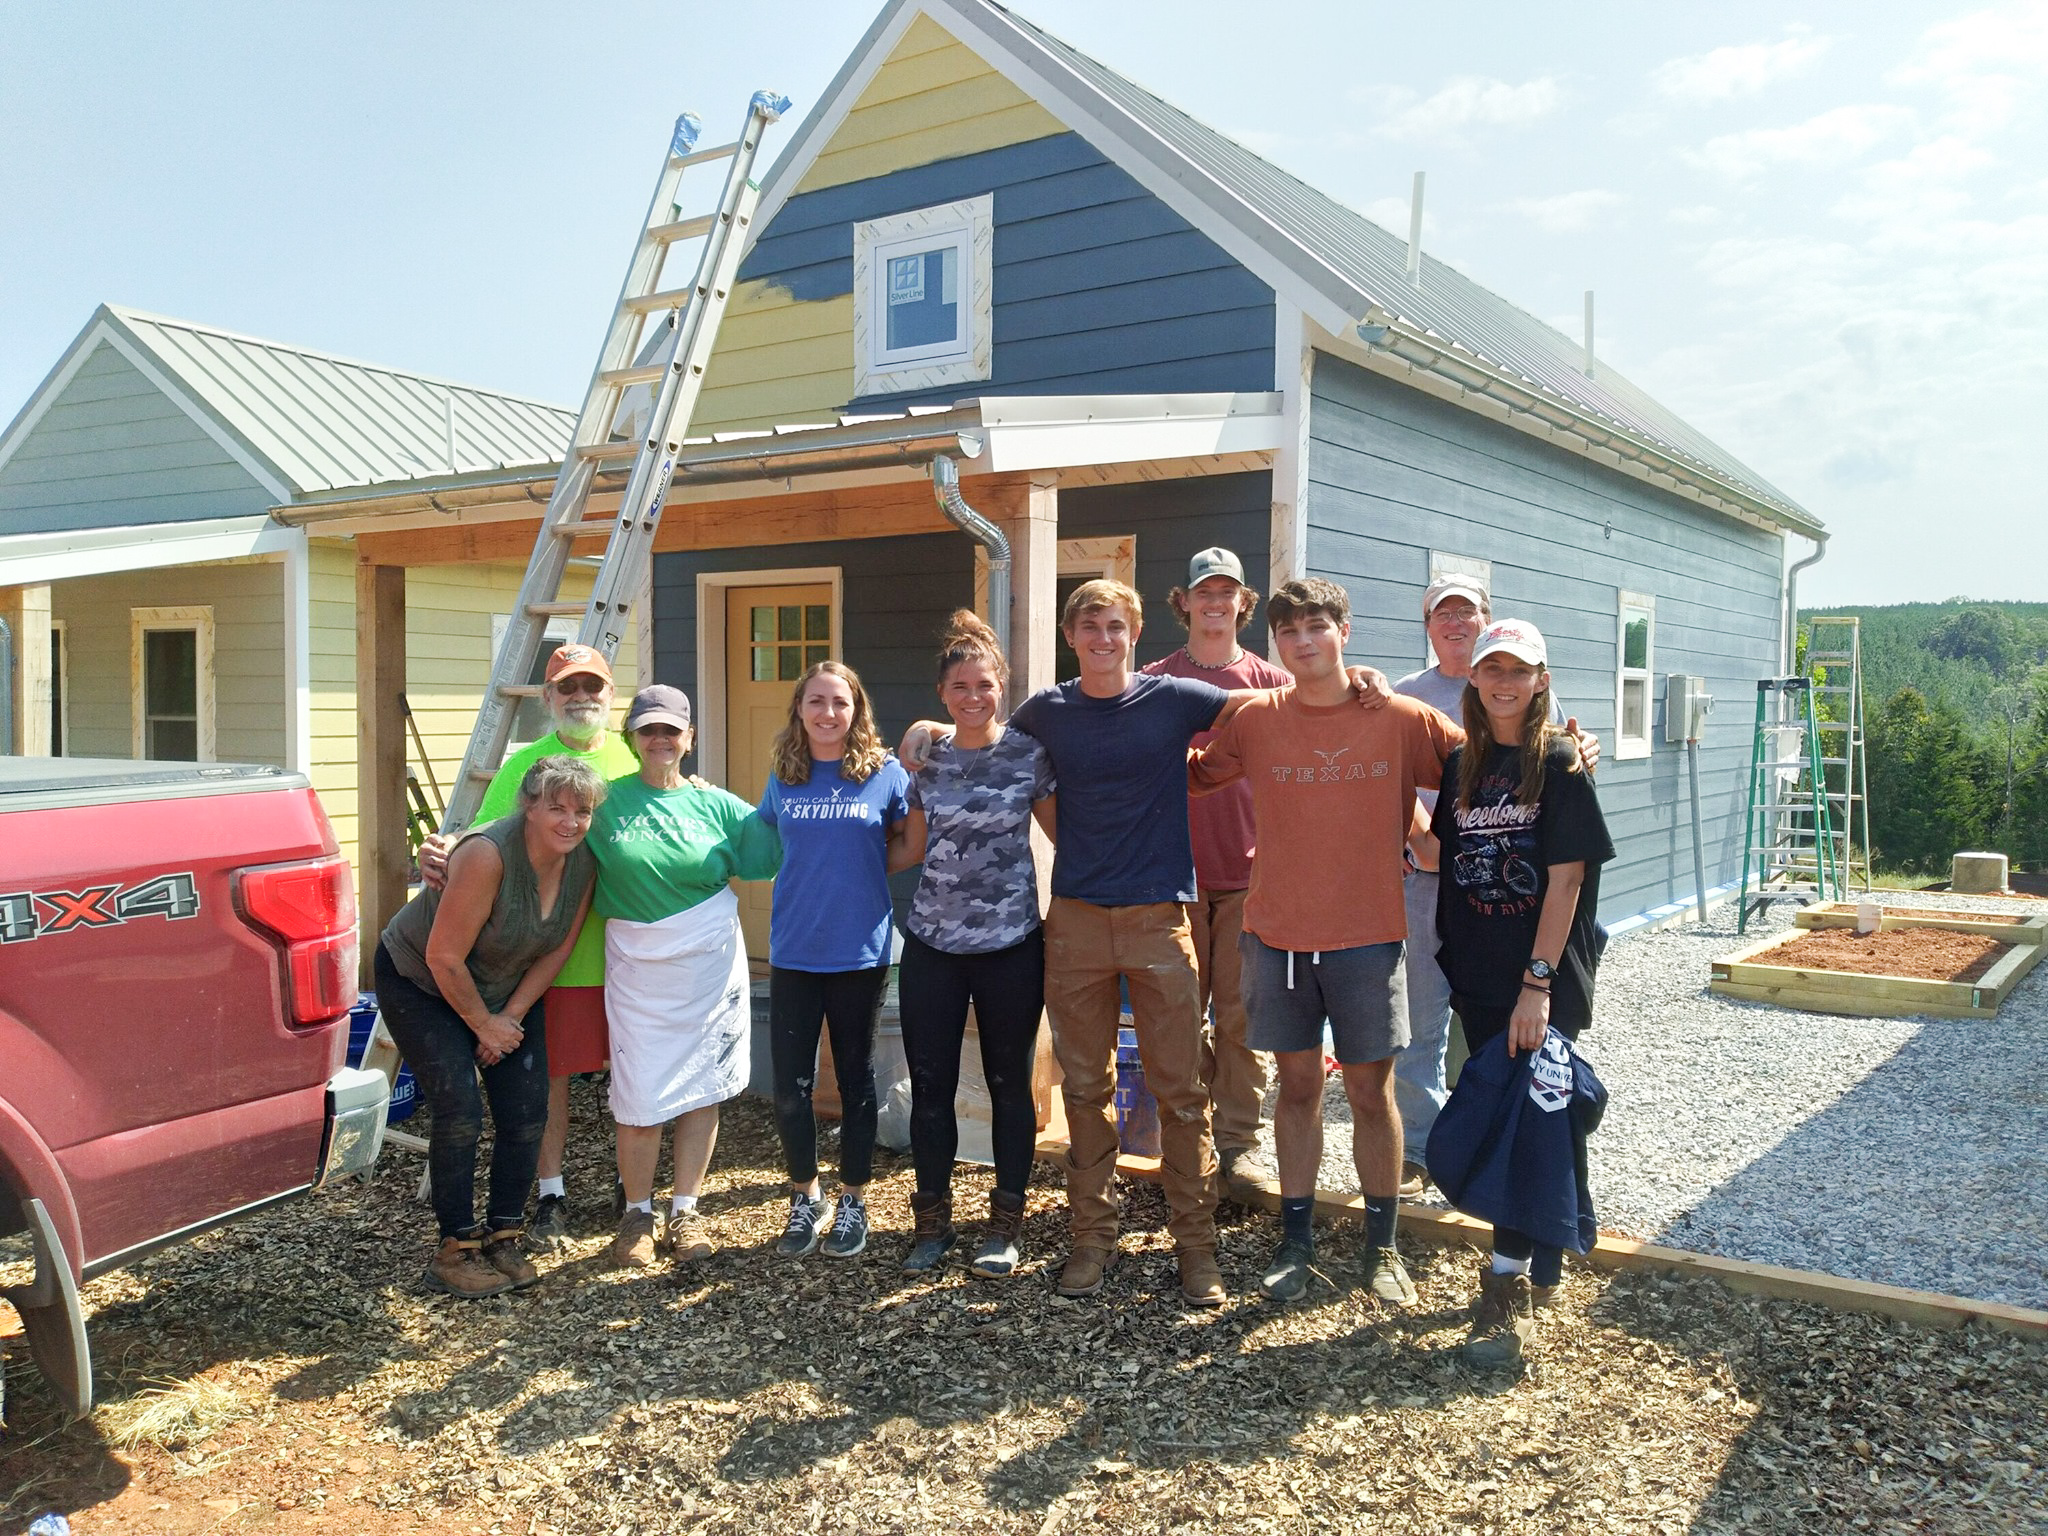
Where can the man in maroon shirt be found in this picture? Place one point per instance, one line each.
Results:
(1213, 608)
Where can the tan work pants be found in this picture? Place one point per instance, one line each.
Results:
(1087, 948)
(1237, 1074)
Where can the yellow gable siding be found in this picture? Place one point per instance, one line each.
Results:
(782, 359)
(448, 611)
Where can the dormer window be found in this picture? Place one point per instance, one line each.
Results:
(921, 294)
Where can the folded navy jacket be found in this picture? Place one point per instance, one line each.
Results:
(1510, 1145)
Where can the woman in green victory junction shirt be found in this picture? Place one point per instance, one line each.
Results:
(676, 984)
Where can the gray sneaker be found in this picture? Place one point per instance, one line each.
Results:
(1387, 1277)
(849, 1234)
(806, 1226)
(1286, 1278)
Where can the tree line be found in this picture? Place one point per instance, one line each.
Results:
(1956, 700)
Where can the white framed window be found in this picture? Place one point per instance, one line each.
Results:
(60, 687)
(1635, 655)
(532, 721)
(922, 291)
(1443, 563)
(170, 652)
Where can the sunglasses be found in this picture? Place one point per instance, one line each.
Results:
(569, 687)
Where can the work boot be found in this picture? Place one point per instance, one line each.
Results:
(633, 1244)
(549, 1228)
(1501, 1321)
(687, 1237)
(1543, 1297)
(1414, 1180)
(1201, 1282)
(998, 1256)
(460, 1269)
(503, 1249)
(1387, 1278)
(932, 1235)
(1084, 1271)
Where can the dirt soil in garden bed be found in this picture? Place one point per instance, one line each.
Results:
(290, 1374)
(1932, 912)
(1926, 954)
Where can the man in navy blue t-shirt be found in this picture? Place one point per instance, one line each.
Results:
(1123, 870)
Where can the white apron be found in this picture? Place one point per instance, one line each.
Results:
(677, 995)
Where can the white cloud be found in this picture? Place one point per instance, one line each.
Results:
(1697, 213)
(1468, 101)
(1726, 73)
(1568, 210)
(1833, 138)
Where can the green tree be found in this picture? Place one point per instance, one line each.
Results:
(1928, 784)
(1989, 636)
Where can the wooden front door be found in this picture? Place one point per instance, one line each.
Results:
(771, 635)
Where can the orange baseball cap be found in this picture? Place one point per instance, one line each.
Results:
(578, 658)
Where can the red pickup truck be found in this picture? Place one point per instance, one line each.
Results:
(178, 955)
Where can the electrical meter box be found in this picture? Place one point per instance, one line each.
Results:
(1686, 705)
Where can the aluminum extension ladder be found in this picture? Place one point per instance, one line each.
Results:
(1834, 659)
(1787, 827)
(610, 433)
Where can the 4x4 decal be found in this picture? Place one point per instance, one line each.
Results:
(28, 915)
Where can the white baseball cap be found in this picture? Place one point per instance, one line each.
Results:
(1517, 637)
(1470, 587)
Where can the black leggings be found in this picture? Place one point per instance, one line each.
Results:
(441, 1050)
(1007, 988)
(1481, 1024)
(848, 1003)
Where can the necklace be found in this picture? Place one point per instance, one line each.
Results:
(1213, 666)
(971, 757)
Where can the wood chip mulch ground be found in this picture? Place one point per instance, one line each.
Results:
(1928, 954)
(290, 1374)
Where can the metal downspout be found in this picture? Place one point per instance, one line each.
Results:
(946, 484)
(6, 689)
(1791, 642)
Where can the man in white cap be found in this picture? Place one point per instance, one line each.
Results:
(1455, 609)
(1214, 607)
(577, 689)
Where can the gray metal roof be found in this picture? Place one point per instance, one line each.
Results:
(1352, 260)
(325, 422)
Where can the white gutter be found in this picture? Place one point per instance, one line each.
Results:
(33, 559)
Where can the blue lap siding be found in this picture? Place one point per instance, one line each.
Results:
(1099, 288)
(1395, 474)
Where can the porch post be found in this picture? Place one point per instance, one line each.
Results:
(381, 852)
(27, 612)
(1033, 528)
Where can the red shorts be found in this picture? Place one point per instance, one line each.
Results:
(579, 1040)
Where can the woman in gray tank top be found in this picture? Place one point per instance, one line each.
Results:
(460, 977)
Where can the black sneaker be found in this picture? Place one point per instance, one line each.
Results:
(1286, 1277)
(806, 1226)
(849, 1233)
(549, 1228)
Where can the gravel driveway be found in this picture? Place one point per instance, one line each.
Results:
(1910, 1151)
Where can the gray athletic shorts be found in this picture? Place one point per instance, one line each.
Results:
(1363, 992)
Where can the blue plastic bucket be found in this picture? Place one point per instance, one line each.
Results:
(1137, 1112)
(405, 1092)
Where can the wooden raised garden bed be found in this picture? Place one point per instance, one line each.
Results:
(1953, 965)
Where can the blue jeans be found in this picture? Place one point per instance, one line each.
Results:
(441, 1050)
(1419, 1090)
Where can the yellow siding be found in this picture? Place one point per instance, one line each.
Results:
(448, 611)
(783, 360)
(934, 99)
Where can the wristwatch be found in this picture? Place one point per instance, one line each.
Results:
(1541, 970)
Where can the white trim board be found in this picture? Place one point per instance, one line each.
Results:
(710, 703)
(197, 618)
(29, 559)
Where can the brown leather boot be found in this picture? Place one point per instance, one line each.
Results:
(508, 1257)
(1502, 1320)
(1085, 1270)
(998, 1256)
(932, 1235)
(1201, 1282)
(460, 1269)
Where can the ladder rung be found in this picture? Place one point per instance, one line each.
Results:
(705, 156)
(608, 453)
(655, 303)
(1831, 688)
(596, 527)
(683, 229)
(1829, 656)
(483, 775)
(521, 690)
(557, 610)
(626, 378)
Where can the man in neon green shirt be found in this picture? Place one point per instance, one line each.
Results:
(578, 693)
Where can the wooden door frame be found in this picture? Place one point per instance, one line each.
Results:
(710, 701)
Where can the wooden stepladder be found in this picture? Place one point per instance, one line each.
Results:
(611, 433)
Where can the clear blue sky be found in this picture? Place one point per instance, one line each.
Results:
(1818, 231)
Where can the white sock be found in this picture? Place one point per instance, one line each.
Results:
(554, 1187)
(1503, 1265)
(646, 1205)
(681, 1204)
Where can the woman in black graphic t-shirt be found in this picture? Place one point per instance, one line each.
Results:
(1523, 841)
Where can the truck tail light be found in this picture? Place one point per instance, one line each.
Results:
(309, 906)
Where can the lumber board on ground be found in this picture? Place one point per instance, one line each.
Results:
(1737, 974)
(2033, 930)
